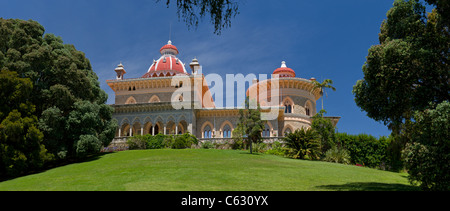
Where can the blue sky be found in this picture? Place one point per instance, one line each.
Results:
(321, 39)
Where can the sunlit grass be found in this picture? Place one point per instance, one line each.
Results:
(207, 170)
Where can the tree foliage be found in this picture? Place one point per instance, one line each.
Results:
(220, 12)
(325, 129)
(427, 156)
(326, 84)
(443, 8)
(408, 69)
(250, 123)
(21, 147)
(367, 150)
(65, 90)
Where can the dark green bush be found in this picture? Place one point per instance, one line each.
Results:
(178, 141)
(427, 155)
(160, 141)
(156, 141)
(88, 144)
(366, 149)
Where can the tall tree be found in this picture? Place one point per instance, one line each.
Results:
(407, 73)
(61, 77)
(220, 11)
(322, 86)
(408, 69)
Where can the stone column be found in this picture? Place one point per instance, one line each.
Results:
(153, 130)
(189, 128)
(120, 130)
(142, 130)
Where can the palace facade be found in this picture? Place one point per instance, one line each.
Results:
(151, 104)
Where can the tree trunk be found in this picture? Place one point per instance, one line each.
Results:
(322, 102)
(251, 143)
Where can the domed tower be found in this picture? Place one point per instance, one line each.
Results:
(295, 99)
(284, 71)
(168, 64)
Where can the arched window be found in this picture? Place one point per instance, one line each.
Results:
(288, 104)
(227, 131)
(207, 132)
(308, 107)
(288, 108)
(156, 129)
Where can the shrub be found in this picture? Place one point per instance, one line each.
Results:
(365, 149)
(325, 129)
(88, 144)
(179, 143)
(303, 144)
(168, 141)
(277, 149)
(136, 142)
(237, 144)
(337, 155)
(259, 147)
(207, 145)
(183, 141)
(156, 141)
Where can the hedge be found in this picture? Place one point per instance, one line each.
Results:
(367, 150)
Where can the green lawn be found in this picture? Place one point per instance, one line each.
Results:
(207, 170)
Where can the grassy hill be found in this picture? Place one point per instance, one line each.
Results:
(207, 170)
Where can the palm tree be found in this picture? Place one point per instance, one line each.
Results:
(321, 86)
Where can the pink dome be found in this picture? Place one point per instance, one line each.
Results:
(168, 64)
(284, 71)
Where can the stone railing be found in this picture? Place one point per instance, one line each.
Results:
(117, 144)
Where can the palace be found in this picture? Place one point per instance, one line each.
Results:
(151, 104)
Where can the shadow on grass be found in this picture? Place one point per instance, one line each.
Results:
(56, 164)
(370, 186)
